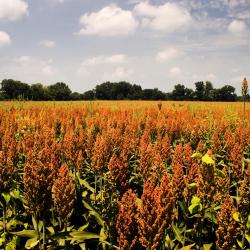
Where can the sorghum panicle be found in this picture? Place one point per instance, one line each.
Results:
(64, 193)
(227, 227)
(127, 225)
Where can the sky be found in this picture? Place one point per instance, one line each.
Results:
(153, 43)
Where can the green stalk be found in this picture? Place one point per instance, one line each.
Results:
(243, 237)
(65, 231)
(95, 186)
(244, 99)
(38, 231)
(4, 224)
(44, 235)
(4, 217)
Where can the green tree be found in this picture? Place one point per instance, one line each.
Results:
(199, 92)
(208, 92)
(12, 89)
(38, 92)
(88, 95)
(181, 93)
(225, 94)
(59, 91)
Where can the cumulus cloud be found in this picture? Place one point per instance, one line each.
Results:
(23, 60)
(13, 10)
(120, 73)
(234, 3)
(31, 64)
(167, 54)
(113, 59)
(109, 21)
(4, 39)
(47, 44)
(175, 71)
(237, 26)
(168, 17)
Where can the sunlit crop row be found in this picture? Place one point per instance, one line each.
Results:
(127, 175)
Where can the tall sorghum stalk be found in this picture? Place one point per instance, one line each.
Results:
(38, 179)
(64, 195)
(244, 204)
(227, 227)
(244, 92)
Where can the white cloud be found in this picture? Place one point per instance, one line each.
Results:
(244, 14)
(234, 3)
(109, 21)
(113, 59)
(13, 9)
(168, 17)
(167, 54)
(117, 59)
(175, 71)
(120, 73)
(23, 60)
(48, 69)
(30, 64)
(48, 44)
(82, 71)
(211, 77)
(4, 39)
(237, 26)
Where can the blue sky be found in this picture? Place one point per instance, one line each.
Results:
(154, 43)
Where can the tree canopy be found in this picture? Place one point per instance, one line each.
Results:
(60, 91)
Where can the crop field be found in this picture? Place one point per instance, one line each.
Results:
(124, 175)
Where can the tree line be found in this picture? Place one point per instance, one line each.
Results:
(204, 91)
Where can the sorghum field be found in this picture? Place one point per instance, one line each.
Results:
(124, 175)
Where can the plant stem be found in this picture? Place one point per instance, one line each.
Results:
(243, 237)
(4, 218)
(44, 235)
(38, 231)
(65, 231)
(4, 224)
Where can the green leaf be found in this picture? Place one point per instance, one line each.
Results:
(196, 205)
(239, 243)
(12, 244)
(15, 194)
(247, 160)
(26, 233)
(207, 160)
(85, 184)
(97, 217)
(84, 193)
(13, 223)
(6, 198)
(196, 155)
(193, 208)
(191, 185)
(248, 237)
(195, 200)
(139, 202)
(187, 247)
(82, 228)
(236, 216)
(207, 246)
(94, 213)
(51, 230)
(82, 246)
(168, 242)
(219, 173)
(103, 235)
(82, 236)
(177, 233)
(30, 243)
